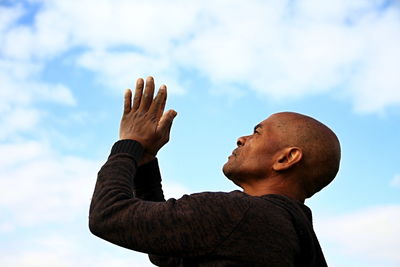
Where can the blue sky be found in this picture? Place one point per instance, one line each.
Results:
(228, 65)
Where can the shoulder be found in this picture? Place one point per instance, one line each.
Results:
(233, 195)
(239, 199)
(293, 207)
(215, 200)
(219, 206)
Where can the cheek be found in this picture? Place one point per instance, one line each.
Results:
(247, 162)
(260, 158)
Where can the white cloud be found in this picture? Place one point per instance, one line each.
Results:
(19, 115)
(18, 120)
(39, 186)
(281, 49)
(148, 25)
(377, 83)
(303, 52)
(43, 190)
(46, 38)
(372, 234)
(8, 15)
(48, 195)
(174, 190)
(60, 249)
(21, 92)
(23, 53)
(118, 69)
(395, 181)
(15, 43)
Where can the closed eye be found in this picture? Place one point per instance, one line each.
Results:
(256, 129)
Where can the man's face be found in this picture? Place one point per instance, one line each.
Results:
(254, 156)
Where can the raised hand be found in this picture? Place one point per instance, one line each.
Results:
(144, 119)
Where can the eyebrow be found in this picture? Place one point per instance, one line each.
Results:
(257, 126)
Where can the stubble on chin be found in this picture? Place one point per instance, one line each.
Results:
(228, 170)
(225, 169)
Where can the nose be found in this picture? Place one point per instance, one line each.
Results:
(241, 141)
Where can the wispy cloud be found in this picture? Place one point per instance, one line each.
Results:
(282, 49)
(115, 68)
(47, 195)
(21, 92)
(372, 234)
(39, 186)
(61, 249)
(395, 181)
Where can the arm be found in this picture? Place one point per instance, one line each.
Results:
(147, 186)
(147, 183)
(191, 226)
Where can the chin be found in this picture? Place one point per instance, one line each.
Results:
(225, 170)
(229, 171)
(229, 165)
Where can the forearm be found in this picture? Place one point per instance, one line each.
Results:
(118, 215)
(114, 188)
(147, 182)
(122, 210)
(117, 173)
(147, 186)
(175, 227)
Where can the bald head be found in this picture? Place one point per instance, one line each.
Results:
(288, 153)
(319, 146)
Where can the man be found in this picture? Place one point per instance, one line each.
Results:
(287, 159)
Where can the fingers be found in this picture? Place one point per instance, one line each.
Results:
(143, 101)
(157, 107)
(127, 101)
(138, 94)
(147, 97)
(166, 121)
(163, 101)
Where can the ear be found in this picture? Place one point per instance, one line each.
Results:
(287, 158)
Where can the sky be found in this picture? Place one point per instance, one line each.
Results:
(228, 65)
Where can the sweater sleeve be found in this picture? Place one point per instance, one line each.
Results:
(191, 226)
(147, 186)
(147, 182)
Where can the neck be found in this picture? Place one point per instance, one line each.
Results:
(273, 186)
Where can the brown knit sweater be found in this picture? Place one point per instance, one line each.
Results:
(205, 229)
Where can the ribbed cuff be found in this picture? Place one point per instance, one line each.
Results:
(128, 146)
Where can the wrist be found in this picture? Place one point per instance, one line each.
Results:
(129, 146)
(146, 158)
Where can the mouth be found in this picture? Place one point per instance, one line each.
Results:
(234, 152)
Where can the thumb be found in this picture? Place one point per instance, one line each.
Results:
(166, 121)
